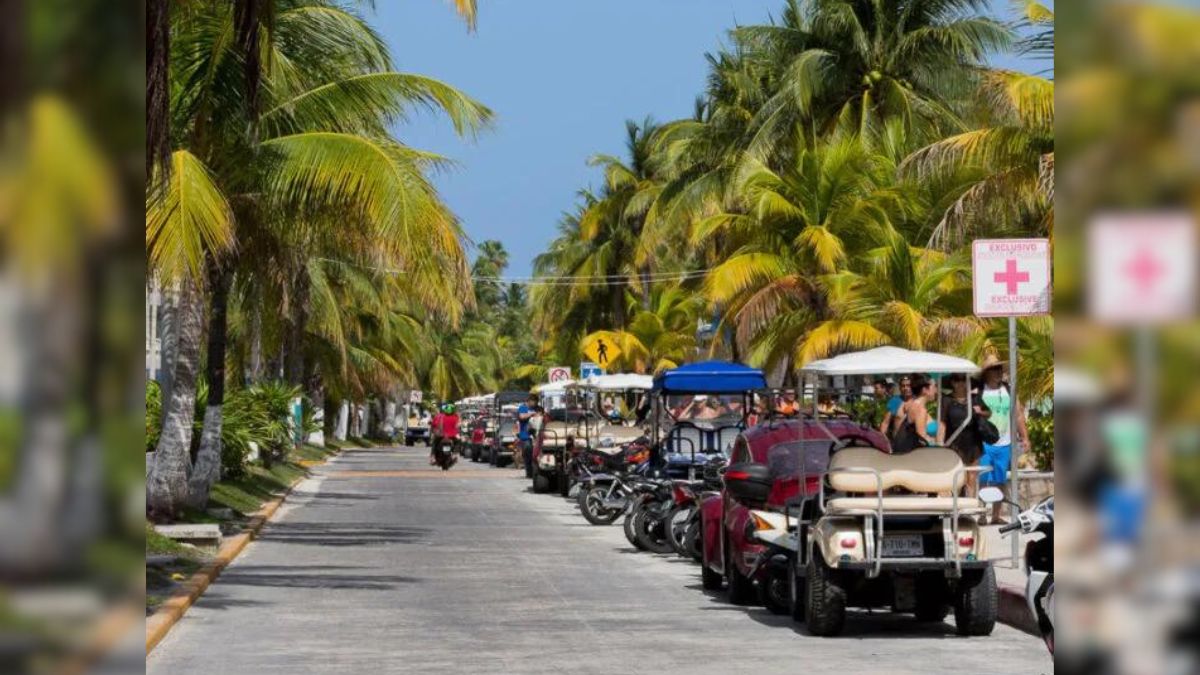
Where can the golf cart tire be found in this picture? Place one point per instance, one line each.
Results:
(826, 599)
(798, 590)
(933, 597)
(710, 580)
(492, 459)
(541, 482)
(741, 588)
(564, 484)
(975, 602)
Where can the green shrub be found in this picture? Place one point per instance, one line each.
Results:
(153, 414)
(1041, 440)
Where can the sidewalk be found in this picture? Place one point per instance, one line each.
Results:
(1010, 579)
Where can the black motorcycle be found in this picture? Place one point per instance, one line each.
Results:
(445, 453)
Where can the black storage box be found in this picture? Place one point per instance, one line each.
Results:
(748, 482)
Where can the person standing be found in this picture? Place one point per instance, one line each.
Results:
(524, 439)
(892, 419)
(968, 443)
(997, 396)
(915, 419)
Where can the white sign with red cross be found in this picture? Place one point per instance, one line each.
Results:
(559, 374)
(1011, 277)
(1142, 267)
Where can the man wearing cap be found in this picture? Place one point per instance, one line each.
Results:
(998, 398)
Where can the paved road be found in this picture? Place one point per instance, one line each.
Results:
(379, 565)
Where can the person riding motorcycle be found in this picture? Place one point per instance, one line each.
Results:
(445, 429)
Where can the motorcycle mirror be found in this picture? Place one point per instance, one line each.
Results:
(991, 495)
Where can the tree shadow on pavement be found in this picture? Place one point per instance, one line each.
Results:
(251, 576)
(333, 534)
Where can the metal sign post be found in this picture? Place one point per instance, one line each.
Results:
(1013, 414)
(1011, 278)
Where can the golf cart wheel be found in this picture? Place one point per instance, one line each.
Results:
(975, 602)
(541, 482)
(932, 597)
(826, 601)
(564, 484)
(775, 593)
(492, 456)
(710, 580)
(741, 588)
(593, 507)
(796, 590)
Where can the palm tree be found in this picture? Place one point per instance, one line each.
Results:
(658, 338)
(317, 156)
(800, 226)
(1003, 172)
(489, 266)
(854, 65)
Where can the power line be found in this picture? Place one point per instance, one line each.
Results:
(560, 280)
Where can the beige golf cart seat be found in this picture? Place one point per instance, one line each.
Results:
(555, 434)
(925, 470)
(610, 437)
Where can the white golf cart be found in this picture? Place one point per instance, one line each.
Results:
(886, 530)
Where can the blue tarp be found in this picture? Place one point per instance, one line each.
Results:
(710, 377)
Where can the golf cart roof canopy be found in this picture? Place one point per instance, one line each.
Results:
(618, 382)
(1073, 386)
(887, 360)
(710, 377)
(553, 387)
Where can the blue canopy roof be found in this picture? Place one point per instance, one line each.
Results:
(710, 377)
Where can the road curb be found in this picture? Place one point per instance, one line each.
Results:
(1013, 611)
(172, 610)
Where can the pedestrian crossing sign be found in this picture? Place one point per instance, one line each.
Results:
(601, 350)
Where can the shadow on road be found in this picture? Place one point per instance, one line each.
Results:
(332, 534)
(251, 576)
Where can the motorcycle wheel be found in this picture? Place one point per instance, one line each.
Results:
(775, 593)
(692, 543)
(592, 506)
(632, 525)
(676, 527)
(652, 531)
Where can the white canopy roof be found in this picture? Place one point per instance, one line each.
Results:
(619, 382)
(553, 387)
(1073, 386)
(887, 360)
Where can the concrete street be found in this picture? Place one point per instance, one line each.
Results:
(379, 564)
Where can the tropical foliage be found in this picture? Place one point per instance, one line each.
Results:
(820, 199)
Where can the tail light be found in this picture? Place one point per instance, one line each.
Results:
(849, 542)
(736, 475)
(812, 485)
(966, 540)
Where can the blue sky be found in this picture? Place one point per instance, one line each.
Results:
(562, 77)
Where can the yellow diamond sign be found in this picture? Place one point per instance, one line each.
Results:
(601, 350)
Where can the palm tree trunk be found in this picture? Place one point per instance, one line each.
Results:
(158, 132)
(256, 349)
(294, 362)
(315, 390)
(208, 460)
(167, 484)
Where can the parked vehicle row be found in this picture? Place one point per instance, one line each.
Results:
(810, 515)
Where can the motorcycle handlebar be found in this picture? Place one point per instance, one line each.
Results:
(1005, 529)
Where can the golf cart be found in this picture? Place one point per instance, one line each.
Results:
(562, 427)
(416, 428)
(503, 426)
(882, 529)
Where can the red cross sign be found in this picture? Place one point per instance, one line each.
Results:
(1142, 267)
(1011, 277)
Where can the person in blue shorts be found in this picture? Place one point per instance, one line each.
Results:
(997, 397)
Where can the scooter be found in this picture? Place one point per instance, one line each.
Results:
(445, 453)
(1039, 562)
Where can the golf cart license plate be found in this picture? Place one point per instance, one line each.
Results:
(902, 546)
